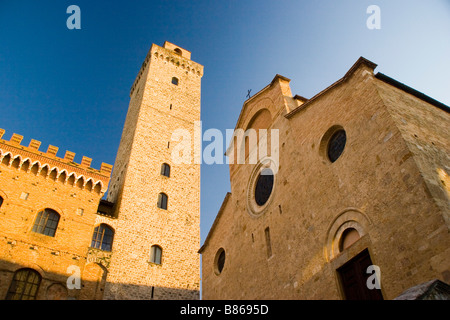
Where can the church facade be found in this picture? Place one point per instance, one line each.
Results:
(60, 240)
(351, 202)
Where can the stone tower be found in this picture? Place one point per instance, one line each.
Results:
(156, 201)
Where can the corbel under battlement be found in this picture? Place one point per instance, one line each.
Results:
(30, 159)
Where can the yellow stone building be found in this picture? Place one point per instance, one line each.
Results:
(60, 240)
(356, 205)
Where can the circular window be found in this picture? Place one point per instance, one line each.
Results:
(336, 145)
(264, 186)
(260, 187)
(219, 261)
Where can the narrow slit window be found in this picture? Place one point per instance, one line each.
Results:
(268, 243)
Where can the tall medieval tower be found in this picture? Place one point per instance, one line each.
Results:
(156, 201)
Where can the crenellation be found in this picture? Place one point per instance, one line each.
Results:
(31, 160)
(114, 243)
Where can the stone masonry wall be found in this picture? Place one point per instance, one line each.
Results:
(157, 108)
(375, 186)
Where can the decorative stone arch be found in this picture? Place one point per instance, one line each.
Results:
(350, 218)
(44, 173)
(35, 167)
(98, 187)
(80, 181)
(3, 195)
(256, 107)
(62, 176)
(94, 280)
(16, 162)
(29, 265)
(261, 119)
(56, 291)
(24, 166)
(53, 174)
(71, 179)
(89, 186)
(6, 158)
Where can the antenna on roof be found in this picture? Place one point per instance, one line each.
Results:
(248, 93)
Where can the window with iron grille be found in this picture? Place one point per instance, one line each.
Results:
(103, 237)
(46, 222)
(24, 286)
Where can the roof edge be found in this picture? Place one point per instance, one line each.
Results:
(414, 92)
(216, 221)
(355, 66)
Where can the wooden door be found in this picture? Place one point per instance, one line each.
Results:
(353, 276)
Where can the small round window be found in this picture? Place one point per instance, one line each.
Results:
(219, 261)
(264, 186)
(336, 145)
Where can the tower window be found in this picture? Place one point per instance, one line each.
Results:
(162, 201)
(103, 237)
(175, 81)
(165, 170)
(155, 254)
(46, 222)
(25, 285)
(177, 51)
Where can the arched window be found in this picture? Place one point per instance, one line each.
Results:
(165, 170)
(155, 254)
(25, 285)
(46, 222)
(103, 237)
(177, 51)
(162, 201)
(175, 81)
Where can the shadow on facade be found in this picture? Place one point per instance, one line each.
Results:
(33, 282)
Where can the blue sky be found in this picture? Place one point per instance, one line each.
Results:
(70, 88)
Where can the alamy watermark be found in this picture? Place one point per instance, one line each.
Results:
(74, 280)
(374, 20)
(251, 146)
(374, 280)
(74, 20)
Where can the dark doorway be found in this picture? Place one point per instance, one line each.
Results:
(353, 276)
